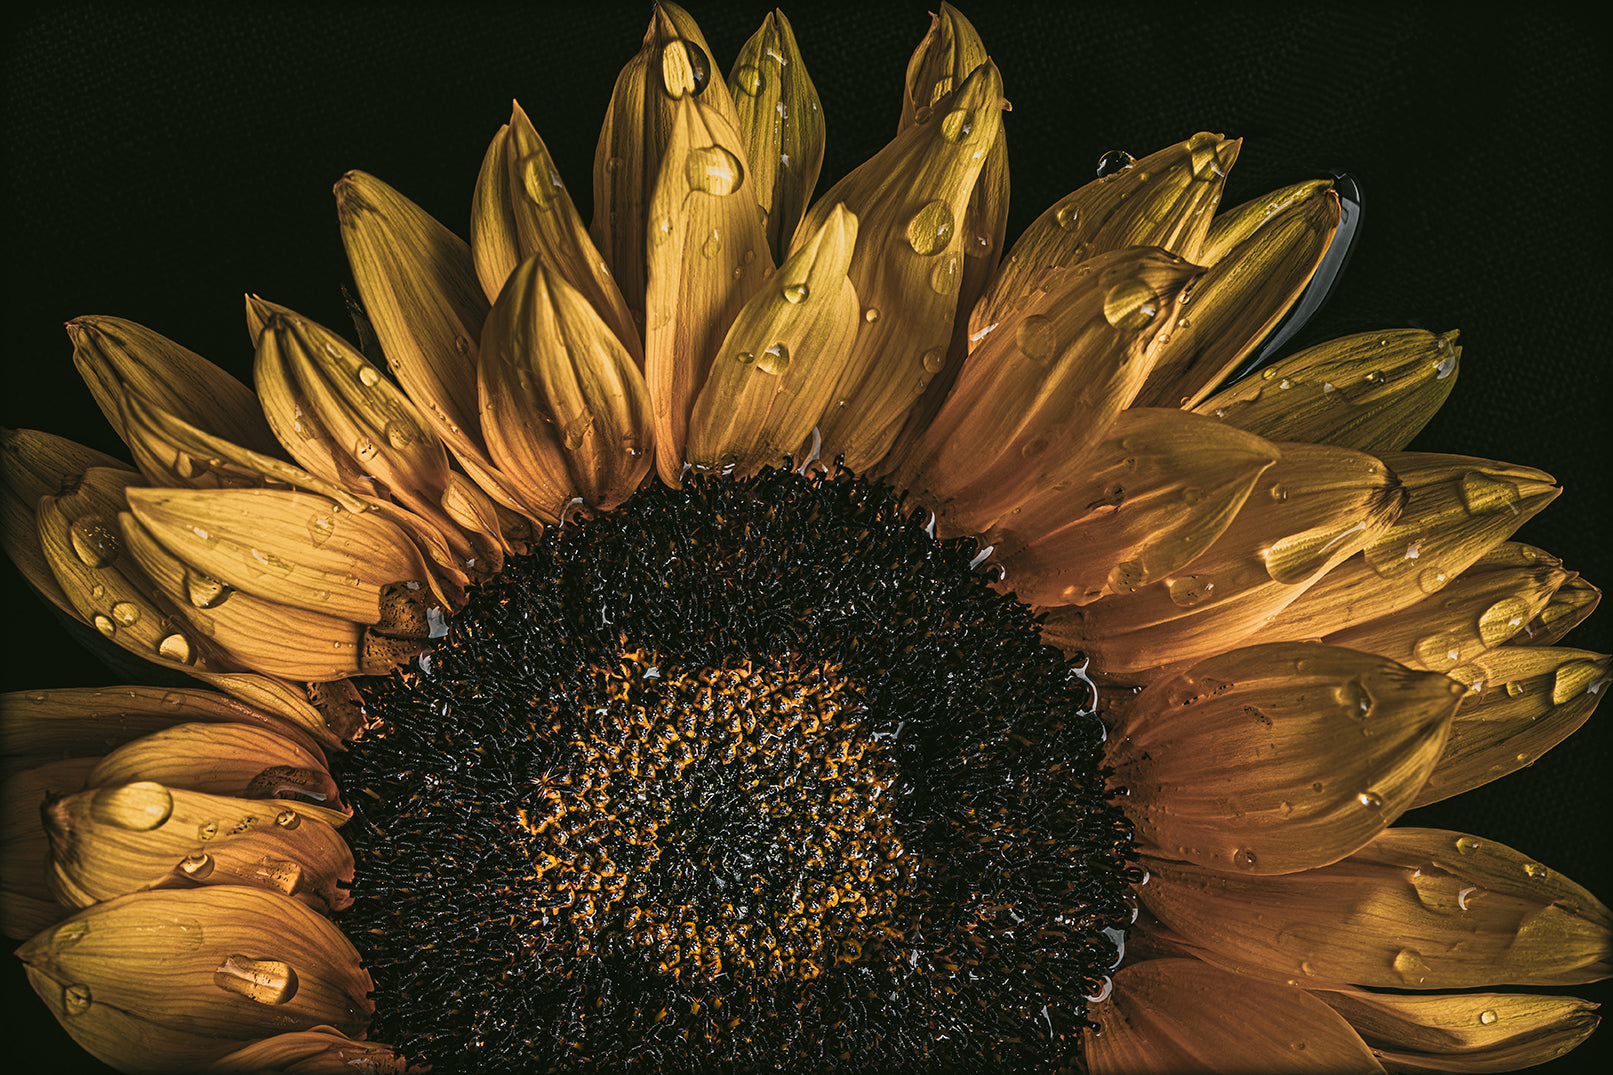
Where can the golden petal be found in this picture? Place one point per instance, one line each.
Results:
(116, 357)
(481, 517)
(1459, 509)
(910, 200)
(1482, 608)
(291, 548)
(1319, 507)
(1278, 758)
(1235, 225)
(782, 123)
(159, 981)
(563, 401)
(38, 465)
(776, 371)
(1474, 1032)
(1532, 698)
(1040, 390)
(706, 254)
(1373, 391)
(1239, 300)
(109, 840)
(672, 67)
(1414, 909)
(27, 904)
(320, 1051)
(1575, 600)
(1151, 496)
(1169, 1016)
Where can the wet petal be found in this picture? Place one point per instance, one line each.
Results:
(1574, 600)
(1041, 389)
(782, 123)
(109, 840)
(1530, 699)
(1315, 507)
(320, 1051)
(1416, 908)
(1465, 1031)
(774, 374)
(910, 200)
(1459, 509)
(1373, 391)
(1172, 1015)
(1278, 758)
(1151, 496)
(160, 981)
(27, 904)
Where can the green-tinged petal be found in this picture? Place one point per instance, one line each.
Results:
(1373, 391)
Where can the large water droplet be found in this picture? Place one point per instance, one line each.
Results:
(1488, 1017)
(796, 293)
(1356, 699)
(266, 981)
(1466, 845)
(1502, 620)
(1446, 364)
(930, 229)
(1130, 305)
(320, 528)
(95, 541)
(367, 376)
(400, 434)
(196, 866)
(933, 360)
(748, 79)
(946, 275)
(126, 613)
(104, 624)
(1204, 150)
(1114, 162)
(1440, 650)
(204, 591)
(957, 125)
(1484, 495)
(1243, 858)
(76, 999)
(134, 807)
(685, 68)
(1068, 216)
(1370, 799)
(1190, 590)
(1036, 338)
(576, 430)
(1411, 966)
(714, 170)
(1575, 679)
(713, 244)
(176, 647)
(540, 181)
(774, 360)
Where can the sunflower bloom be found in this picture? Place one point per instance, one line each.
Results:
(750, 633)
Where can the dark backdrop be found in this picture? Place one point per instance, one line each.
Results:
(160, 161)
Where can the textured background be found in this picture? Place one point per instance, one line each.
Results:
(161, 161)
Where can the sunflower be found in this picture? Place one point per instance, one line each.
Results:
(1006, 931)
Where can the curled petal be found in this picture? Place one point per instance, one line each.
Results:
(1278, 758)
(1458, 509)
(1373, 391)
(1040, 390)
(1317, 506)
(27, 904)
(109, 840)
(782, 123)
(1414, 909)
(1466, 1032)
(1168, 1016)
(170, 981)
(1574, 600)
(1237, 224)
(776, 371)
(321, 1051)
(1150, 496)
(1530, 699)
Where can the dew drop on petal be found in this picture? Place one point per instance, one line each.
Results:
(685, 68)
(1036, 338)
(1113, 163)
(104, 624)
(266, 981)
(774, 360)
(1130, 305)
(796, 293)
(1243, 858)
(1411, 966)
(1488, 1017)
(94, 541)
(871, 315)
(1189, 590)
(930, 229)
(748, 79)
(203, 591)
(1466, 845)
(76, 999)
(1067, 217)
(367, 376)
(1484, 495)
(933, 360)
(714, 170)
(196, 866)
(176, 647)
(957, 125)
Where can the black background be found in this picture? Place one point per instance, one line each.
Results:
(160, 161)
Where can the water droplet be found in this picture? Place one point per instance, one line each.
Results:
(266, 981)
(1535, 870)
(870, 315)
(1278, 491)
(1130, 305)
(1189, 590)
(94, 541)
(748, 79)
(1488, 1017)
(1356, 699)
(1036, 338)
(364, 449)
(1068, 217)
(1446, 347)
(367, 376)
(1575, 679)
(1466, 845)
(104, 624)
(685, 68)
(1033, 448)
(137, 807)
(1411, 966)
(774, 360)
(288, 819)
(1484, 495)
(576, 430)
(196, 866)
(1440, 650)
(1431, 580)
(745, 358)
(713, 244)
(203, 591)
(1204, 150)
(1502, 620)
(796, 293)
(76, 999)
(320, 528)
(930, 229)
(400, 434)
(1113, 163)
(1243, 858)
(540, 181)
(176, 647)
(1286, 809)
(714, 170)
(207, 830)
(933, 360)
(1370, 799)
(126, 613)
(957, 125)
(946, 274)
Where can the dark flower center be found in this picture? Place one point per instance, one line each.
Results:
(749, 775)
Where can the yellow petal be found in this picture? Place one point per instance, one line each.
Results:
(1235, 225)
(1470, 1032)
(1373, 391)
(775, 373)
(782, 124)
(110, 840)
(673, 66)
(706, 255)
(1575, 600)
(320, 1051)
(1169, 1016)
(563, 401)
(1459, 509)
(1239, 300)
(116, 357)
(27, 904)
(910, 201)
(1278, 758)
(1321, 506)
(1414, 909)
(1150, 497)
(1040, 390)
(1531, 698)
(163, 981)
